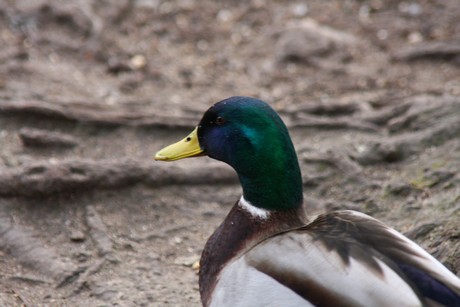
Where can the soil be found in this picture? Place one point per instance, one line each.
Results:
(90, 90)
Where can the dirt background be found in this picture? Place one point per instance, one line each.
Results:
(90, 90)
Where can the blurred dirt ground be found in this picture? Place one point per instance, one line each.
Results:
(90, 90)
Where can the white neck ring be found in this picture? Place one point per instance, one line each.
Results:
(253, 210)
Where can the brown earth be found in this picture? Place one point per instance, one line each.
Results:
(89, 90)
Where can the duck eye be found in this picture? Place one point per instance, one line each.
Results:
(220, 120)
(188, 139)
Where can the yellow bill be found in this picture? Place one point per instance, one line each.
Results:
(186, 148)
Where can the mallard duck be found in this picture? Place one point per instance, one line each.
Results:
(265, 253)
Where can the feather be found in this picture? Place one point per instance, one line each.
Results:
(430, 287)
(342, 258)
(297, 261)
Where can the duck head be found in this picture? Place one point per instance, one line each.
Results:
(249, 135)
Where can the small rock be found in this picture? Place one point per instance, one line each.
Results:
(77, 236)
(377, 152)
(188, 261)
(310, 39)
(224, 15)
(300, 46)
(299, 9)
(382, 34)
(196, 265)
(410, 8)
(415, 37)
(117, 65)
(137, 62)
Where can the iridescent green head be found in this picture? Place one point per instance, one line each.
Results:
(248, 134)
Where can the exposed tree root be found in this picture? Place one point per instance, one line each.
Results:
(415, 124)
(350, 115)
(306, 121)
(30, 252)
(42, 138)
(84, 278)
(11, 296)
(12, 54)
(98, 232)
(46, 178)
(159, 234)
(400, 147)
(27, 279)
(104, 115)
(425, 112)
(96, 114)
(421, 231)
(341, 162)
(413, 114)
(347, 113)
(383, 116)
(429, 50)
(324, 109)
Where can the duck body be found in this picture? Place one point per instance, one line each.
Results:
(266, 253)
(343, 258)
